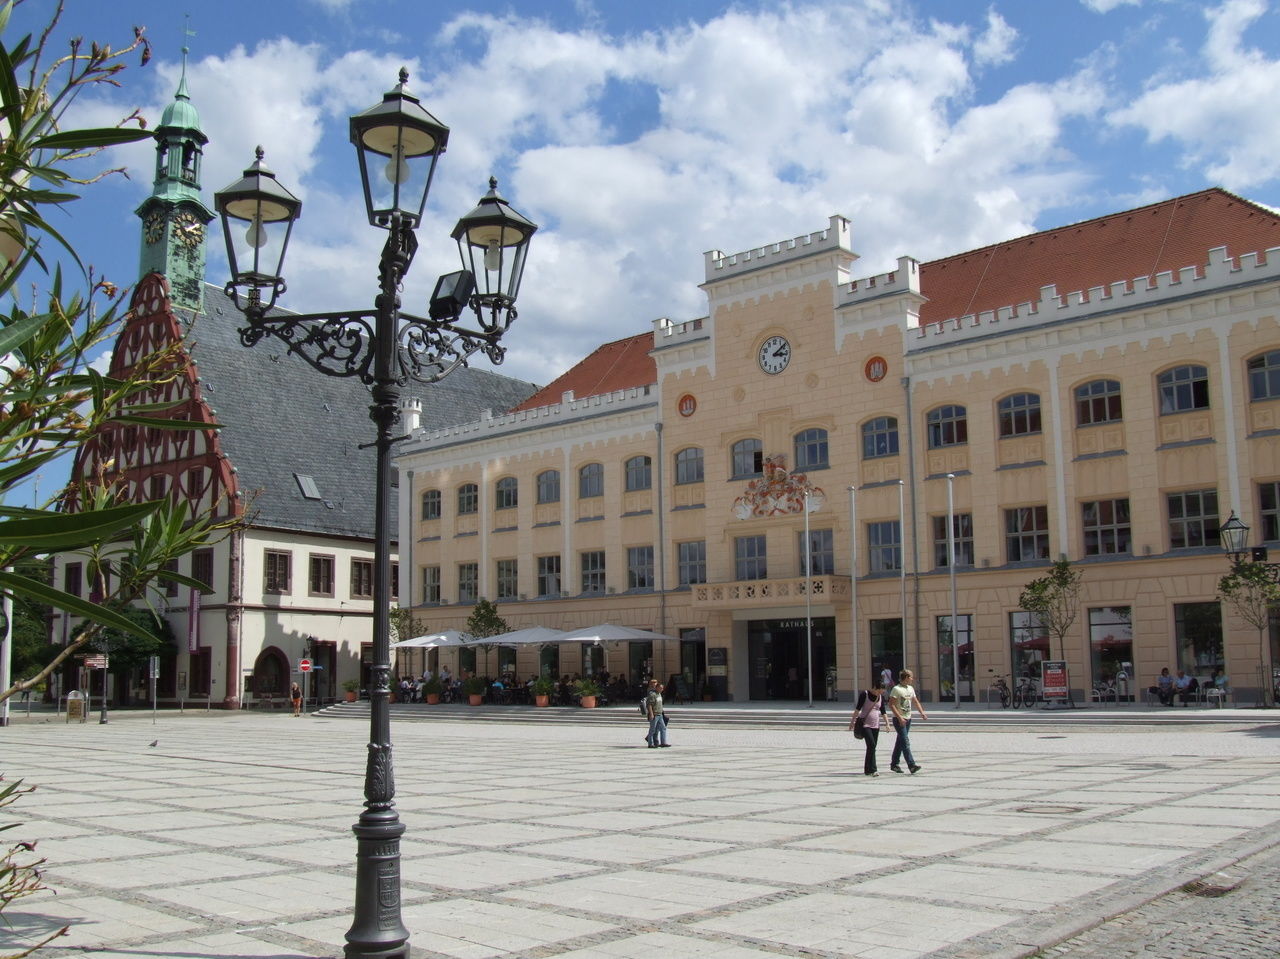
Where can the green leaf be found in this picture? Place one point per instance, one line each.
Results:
(83, 139)
(15, 334)
(22, 586)
(61, 531)
(160, 423)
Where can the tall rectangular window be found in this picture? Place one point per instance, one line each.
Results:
(431, 584)
(170, 586)
(1026, 533)
(549, 575)
(1193, 519)
(320, 575)
(362, 579)
(395, 581)
(468, 499)
(640, 567)
(431, 504)
(73, 578)
(278, 570)
(1106, 527)
(1029, 644)
(821, 553)
(749, 558)
(639, 473)
(962, 531)
(1197, 628)
(689, 465)
(693, 562)
(548, 485)
(508, 578)
(884, 542)
(202, 568)
(468, 582)
(1269, 503)
(593, 573)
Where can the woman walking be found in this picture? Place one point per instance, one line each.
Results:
(868, 713)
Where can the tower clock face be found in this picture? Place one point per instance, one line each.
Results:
(188, 230)
(153, 227)
(775, 354)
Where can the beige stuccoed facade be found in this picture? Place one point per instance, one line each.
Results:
(1117, 426)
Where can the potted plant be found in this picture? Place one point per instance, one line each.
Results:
(351, 687)
(542, 688)
(431, 689)
(587, 691)
(474, 687)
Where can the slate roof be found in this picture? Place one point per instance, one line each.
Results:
(280, 417)
(1169, 235)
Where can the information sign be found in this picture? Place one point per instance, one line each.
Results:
(1054, 685)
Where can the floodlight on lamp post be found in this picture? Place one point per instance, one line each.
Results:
(398, 144)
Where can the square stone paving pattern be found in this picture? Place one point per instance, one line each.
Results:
(231, 837)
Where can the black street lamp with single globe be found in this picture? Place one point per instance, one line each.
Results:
(398, 144)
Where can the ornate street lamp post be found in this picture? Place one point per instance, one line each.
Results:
(398, 143)
(1254, 593)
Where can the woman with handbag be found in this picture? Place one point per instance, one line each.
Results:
(865, 722)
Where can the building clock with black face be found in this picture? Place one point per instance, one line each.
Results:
(188, 230)
(153, 226)
(775, 354)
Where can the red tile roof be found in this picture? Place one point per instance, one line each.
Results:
(619, 365)
(1169, 235)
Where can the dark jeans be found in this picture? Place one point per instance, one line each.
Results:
(870, 738)
(902, 745)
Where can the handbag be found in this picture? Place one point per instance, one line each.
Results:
(859, 728)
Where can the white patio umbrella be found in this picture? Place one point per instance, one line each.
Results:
(450, 637)
(610, 633)
(528, 636)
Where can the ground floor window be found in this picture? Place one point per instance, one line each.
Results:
(549, 661)
(467, 660)
(592, 659)
(1111, 650)
(1029, 644)
(1198, 629)
(507, 661)
(886, 648)
(963, 634)
(639, 661)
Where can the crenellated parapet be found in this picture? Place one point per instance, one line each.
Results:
(1219, 274)
(568, 410)
(720, 266)
(905, 279)
(667, 332)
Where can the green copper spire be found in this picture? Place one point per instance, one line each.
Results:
(174, 218)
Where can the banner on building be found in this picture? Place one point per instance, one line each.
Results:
(193, 622)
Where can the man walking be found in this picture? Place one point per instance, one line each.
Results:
(657, 737)
(901, 698)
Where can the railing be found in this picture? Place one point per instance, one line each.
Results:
(771, 592)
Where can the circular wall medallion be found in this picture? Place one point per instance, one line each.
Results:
(877, 368)
(687, 405)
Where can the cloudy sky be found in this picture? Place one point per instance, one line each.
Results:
(639, 135)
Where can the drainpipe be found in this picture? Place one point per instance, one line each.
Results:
(662, 532)
(915, 543)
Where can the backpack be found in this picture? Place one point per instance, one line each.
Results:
(644, 707)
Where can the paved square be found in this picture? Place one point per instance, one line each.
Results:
(231, 837)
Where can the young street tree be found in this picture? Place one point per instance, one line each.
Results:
(1055, 599)
(1251, 590)
(52, 400)
(483, 622)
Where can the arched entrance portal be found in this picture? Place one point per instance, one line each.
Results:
(271, 673)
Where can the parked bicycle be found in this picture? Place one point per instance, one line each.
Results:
(1001, 688)
(1024, 694)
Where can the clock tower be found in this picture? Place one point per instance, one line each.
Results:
(174, 220)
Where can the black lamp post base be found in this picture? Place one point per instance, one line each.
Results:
(377, 932)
